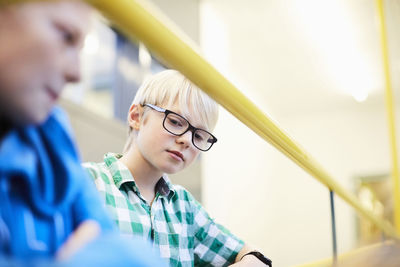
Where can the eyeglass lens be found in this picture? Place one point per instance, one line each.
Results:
(178, 125)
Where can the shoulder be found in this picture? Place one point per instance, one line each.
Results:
(95, 170)
(181, 193)
(100, 175)
(56, 131)
(59, 118)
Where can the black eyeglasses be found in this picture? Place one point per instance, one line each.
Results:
(178, 125)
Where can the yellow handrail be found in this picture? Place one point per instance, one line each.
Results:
(390, 114)
(136, 20)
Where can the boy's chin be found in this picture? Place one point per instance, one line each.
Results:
(32, 118)
(171, 170)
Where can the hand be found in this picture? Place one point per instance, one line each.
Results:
(250, 261)
(84, 233)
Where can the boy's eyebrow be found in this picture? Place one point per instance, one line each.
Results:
(191, 119)
(73, 29)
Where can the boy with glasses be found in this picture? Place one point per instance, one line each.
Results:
(50, 212)
(170, 121)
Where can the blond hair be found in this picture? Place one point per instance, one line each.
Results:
(169, 87)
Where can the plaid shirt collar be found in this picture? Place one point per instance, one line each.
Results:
(122, 175)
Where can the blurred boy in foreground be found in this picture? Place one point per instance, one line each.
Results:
(50, 211)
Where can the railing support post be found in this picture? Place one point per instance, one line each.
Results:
(334, 244)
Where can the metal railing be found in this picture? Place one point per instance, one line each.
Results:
(137, 20)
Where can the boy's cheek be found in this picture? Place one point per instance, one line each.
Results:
(195, 156)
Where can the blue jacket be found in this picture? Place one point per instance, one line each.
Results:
(45, 194)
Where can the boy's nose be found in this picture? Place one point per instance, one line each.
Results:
(185, 139)
(72, 72)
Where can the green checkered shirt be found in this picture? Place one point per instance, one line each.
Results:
(175, 222)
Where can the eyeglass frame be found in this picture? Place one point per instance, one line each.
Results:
(189, 128)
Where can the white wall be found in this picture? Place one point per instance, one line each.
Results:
(184, 13)
(247, 184)
(270, 202)
(299, 61)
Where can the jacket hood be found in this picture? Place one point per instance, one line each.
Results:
(39, 161)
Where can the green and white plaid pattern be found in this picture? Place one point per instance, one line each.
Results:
(175, 222)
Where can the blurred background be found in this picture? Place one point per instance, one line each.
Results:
(314, 66)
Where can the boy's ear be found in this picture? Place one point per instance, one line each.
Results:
(134, 116)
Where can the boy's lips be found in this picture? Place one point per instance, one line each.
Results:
(176, 153)
(54, 94)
